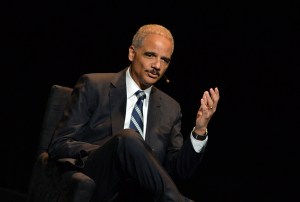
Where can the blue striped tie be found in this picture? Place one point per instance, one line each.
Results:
(136, 120)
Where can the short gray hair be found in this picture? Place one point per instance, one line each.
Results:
(145, 30)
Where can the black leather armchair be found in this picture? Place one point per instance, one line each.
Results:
(48, 181)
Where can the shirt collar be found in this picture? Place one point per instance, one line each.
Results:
(132, 87)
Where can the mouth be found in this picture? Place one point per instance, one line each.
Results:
(153, 73)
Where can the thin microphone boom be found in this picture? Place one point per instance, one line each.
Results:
(167, 80)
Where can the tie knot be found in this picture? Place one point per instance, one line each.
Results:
(140, 94)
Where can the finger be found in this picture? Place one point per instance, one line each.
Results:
(204, 104)
(205, 109)
(215, 95)
(210, 102)
(204, 99)
(199, 113)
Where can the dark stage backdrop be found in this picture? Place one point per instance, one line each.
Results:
(249, 50)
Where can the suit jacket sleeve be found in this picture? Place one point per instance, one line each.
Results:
(181, 160)
(69, 140)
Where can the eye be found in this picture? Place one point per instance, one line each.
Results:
(149, 54)
(166, 60)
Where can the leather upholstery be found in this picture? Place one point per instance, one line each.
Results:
(50, 181)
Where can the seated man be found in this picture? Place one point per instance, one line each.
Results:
(122, 130)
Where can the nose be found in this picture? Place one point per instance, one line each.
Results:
(156, 64)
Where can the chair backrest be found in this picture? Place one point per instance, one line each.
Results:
(49, 181)
(57, 100)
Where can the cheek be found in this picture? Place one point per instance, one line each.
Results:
(144, 64)
(164, 69)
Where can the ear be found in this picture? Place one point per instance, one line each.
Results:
(131, 53)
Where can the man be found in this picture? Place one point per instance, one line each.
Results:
(101, 130)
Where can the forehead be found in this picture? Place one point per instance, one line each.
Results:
(157, 43)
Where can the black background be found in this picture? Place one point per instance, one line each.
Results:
(249, 50)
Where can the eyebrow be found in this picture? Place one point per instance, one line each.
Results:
(163, 57)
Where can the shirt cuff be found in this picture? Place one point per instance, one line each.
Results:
(198, 145)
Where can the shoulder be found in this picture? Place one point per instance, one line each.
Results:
(166, 100)
(97, 77)
(102, 78)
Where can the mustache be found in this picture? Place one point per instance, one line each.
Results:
(154, 71)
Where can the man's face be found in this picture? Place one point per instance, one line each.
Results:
(150, 61)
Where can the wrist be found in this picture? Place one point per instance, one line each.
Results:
(200, 134)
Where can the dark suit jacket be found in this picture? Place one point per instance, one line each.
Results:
(97, 110)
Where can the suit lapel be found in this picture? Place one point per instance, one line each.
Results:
(117, 100)
(154, 114)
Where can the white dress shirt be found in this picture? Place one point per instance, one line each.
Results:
(131, 88)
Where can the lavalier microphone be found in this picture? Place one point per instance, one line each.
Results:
(166, 78)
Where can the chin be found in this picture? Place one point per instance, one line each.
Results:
(149, 82)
